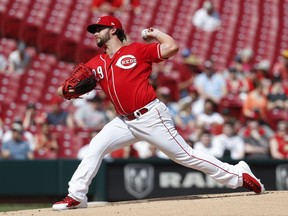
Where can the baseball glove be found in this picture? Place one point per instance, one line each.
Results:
(81, 81)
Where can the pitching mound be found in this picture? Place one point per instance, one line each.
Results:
(269, 203)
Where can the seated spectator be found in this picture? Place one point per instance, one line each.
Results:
(92, 116)
(168, 76)
(277, 103)
(164, 95)
(277, 98)
(207, 18)
(204, 142)
(107, 6)
(58, 116)
(3, 63)
(32, 117)
(46, 146)
(185, 121)
(237, 85)
(27, 135)
(280, 68)
(209, 118)
(256, 137)
(197, 102)
(133, 5)
(210, 84)
(261, 71)
(19, 59)
(243, 60)
(228, 143)
(279, 142)
(16, 148)
(256, 102)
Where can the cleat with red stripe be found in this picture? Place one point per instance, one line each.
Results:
(68, 203)
(250, 182)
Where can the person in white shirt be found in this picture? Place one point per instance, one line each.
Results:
(210, 117)
(19, 59)
(204, 143)
(230, 142)
(207, 18)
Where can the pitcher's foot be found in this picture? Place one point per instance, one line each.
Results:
(68, 203)
(250, 181)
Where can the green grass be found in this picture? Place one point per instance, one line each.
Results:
(22, 206)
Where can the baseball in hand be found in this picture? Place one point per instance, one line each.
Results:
(144, 34)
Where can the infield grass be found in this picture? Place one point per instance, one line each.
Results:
(22, 206)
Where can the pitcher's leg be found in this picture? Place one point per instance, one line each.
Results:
(157, 128)
(114, 135)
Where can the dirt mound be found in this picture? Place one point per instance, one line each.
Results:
(269, 203)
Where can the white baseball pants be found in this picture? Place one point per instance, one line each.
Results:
(157, 128)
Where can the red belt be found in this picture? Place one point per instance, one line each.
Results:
(136, 114)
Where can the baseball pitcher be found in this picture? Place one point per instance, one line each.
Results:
(123, 72)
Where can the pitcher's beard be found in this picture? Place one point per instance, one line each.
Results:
(103, 40)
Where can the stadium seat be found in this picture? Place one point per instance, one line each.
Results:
(13, 17)
(32, 24)
(4, 6)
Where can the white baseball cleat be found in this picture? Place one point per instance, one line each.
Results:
(68, 203)
(250, 181)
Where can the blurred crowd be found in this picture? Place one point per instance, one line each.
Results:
(235, 113)
(240, 112)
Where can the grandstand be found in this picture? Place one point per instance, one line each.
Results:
(55, 32)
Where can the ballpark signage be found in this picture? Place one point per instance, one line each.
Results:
(139, 179)
(189, 180)
(282, 177)
(132, 181)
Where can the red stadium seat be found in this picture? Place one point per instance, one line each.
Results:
(14, 17)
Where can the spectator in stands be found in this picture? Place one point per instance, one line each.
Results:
(133, 5)
(19, 59)
(27, 135)
(237, 85)
(256, 102)
(46, 145)
(243, 60)
(210, 117)
(32, 117)
(168, 76)
(204, 142)
(110, 111)
(3, 63)
(207, 18)
(262, 73)
(185, 121)
(228, 144)
(164, 94)
(59, 116)
(279, 142)
(210, 84)
(280, 68)
(197, 103)
(107, 6)
(256, 137)
(1, 129)
(16, 148)
(92, 116)
(277, 98)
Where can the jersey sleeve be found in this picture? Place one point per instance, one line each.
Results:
(150, 52)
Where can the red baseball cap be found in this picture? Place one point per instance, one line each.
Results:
(109, 21)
